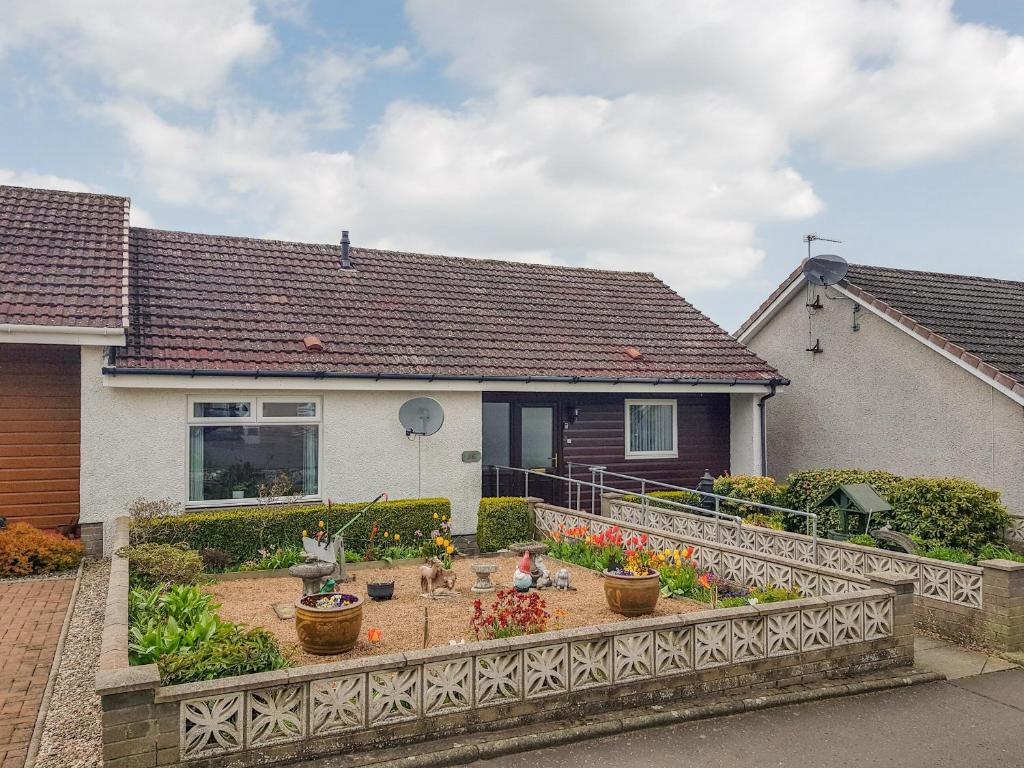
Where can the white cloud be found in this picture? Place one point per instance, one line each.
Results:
(330, 77)
(181, 51)
(873, 82)
(647, 135)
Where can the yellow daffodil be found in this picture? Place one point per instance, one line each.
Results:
(398, 536)
(439, 541)
(450, 549)
(305, 533)
(321, 523)
(385, 534)
(435, 515)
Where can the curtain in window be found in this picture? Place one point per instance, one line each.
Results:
(650, 428)
(309, 462)
(195, 464)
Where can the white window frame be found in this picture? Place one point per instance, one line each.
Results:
(255, 418)
(674, 453)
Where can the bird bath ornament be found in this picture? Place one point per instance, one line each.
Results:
(483, 573)
(312, 573)
(331, 549)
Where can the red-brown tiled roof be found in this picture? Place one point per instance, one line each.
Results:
(63, 258)
(203, 302)
(982, 317)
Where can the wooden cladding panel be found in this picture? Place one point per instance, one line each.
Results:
(40, 402)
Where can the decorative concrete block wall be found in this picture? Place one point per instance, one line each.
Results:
(358, 704)
(981, 603)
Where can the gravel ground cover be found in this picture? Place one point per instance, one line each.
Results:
(250, 601)
(72, 730)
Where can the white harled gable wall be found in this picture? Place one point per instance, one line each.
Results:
(879, 399)
(134, 443)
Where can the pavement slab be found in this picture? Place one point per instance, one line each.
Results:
(976, 723)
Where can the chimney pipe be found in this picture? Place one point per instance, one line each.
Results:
(346, 262)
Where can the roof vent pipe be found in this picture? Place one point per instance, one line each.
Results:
(346, 262)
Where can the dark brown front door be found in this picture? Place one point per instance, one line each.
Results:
(525, 434)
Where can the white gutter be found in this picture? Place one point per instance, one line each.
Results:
(79, 336)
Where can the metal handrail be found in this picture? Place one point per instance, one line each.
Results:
(596, 469)
(718, 516)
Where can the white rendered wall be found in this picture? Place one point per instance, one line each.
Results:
(135, 441)
(879, 399)
(745, 435)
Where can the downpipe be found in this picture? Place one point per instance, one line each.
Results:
(762, 417)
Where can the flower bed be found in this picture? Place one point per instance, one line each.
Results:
(400, 620)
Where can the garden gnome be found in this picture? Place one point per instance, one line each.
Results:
(521, 579)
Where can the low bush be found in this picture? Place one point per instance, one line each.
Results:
(215, 560)
(678, 497)
(763, 490)
(243, 532)
(949, 554)
(864, 539)
(282, 557)
(953, 512)
(26, 550)
(231, 650)
(762, 520)
(502, 520)
(160, 565)
(999, 552)
(179, 630)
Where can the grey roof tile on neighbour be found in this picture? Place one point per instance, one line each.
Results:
(207, 302)
(983, 315)
(62, 258)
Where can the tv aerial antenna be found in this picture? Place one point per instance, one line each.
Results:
(421, 417)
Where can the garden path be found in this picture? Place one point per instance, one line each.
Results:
(31, 615)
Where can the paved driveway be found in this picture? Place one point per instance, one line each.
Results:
(31, 616)
(973, 722)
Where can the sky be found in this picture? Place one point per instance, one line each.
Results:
(696, 139)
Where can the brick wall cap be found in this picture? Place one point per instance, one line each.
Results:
(1002, 565)
(890, 579)
(113, 681)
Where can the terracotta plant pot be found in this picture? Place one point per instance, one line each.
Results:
(327, 631)
(631, 595)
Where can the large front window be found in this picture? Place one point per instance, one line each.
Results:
(239, 446)
(651, 431)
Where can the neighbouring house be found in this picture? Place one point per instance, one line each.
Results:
(197, 367)
(918, 373)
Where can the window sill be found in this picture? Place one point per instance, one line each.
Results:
(224, 503)
(653, 455)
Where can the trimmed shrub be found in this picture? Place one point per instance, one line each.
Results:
(864, 539)
(153, 565)
(762, 520)
(951, 512)
(804, 490)
(502, 520)
(763, 490)
(682, 497)
(26, 550)
(232, 650)
(215, 560)
(959, 513)
(243, 532)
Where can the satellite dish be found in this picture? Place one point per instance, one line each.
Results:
(421, 416)
(825, 269)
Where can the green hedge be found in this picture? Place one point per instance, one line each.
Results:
(950, 512)
(501, 521)
(763, 490)
(242, 532)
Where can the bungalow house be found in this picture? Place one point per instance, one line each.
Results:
(918, 373)
(138, 362)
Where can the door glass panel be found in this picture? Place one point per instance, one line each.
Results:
(497, 431)
(538, 425)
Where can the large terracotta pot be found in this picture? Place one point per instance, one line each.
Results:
(327, 631)
(631, 595)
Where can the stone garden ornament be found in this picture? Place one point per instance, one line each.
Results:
(435, 581)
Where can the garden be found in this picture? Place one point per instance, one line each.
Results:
(222, 593)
